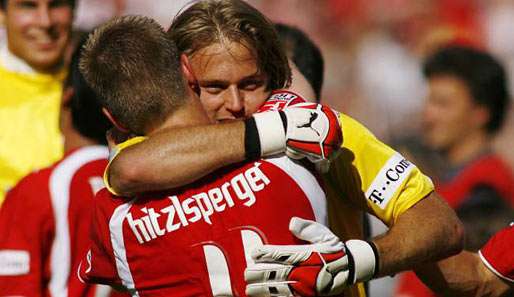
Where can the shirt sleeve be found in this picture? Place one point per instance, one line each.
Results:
(389, 183)
(113, 154)
(98, 265)
(26, 228)
(497, 254)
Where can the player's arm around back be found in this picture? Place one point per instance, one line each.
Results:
(176, 157)
(490, 272)
(463, 275)
(179, 156)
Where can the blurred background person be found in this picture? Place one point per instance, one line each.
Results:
(466, 105)
(31, 75)
(46, 217)
(91, 13)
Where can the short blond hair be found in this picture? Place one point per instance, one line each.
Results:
(217, 21)
(132, 64)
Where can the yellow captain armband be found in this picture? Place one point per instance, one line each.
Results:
(113, 153)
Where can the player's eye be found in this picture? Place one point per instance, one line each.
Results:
(26, 4)
(213, 89)
(251, 85)
(59, 3)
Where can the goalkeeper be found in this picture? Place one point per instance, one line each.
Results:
(236, 68)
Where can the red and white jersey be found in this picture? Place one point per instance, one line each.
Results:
(44, 224)
(498, 254)
(197, 241)
(281, 99)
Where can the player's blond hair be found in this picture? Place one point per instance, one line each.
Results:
(209, 22)
(133, 65)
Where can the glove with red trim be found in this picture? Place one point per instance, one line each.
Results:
(303, 130)
(323, 268)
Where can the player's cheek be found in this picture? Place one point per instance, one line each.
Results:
(211, 103)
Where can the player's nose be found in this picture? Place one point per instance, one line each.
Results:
(42, 16)
(234, 101)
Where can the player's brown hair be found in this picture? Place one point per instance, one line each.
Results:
(219, 21)
(132, 64)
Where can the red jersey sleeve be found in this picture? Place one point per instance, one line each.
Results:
(281, 99)
(26, 228)
(99, 264)
(497, 254)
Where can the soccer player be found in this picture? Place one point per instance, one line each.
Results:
(196, 240)
(32, 72)
(45, 219)
(236, 61)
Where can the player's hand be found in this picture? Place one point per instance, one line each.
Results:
(304, 130)
(313, 131)
(323, 268)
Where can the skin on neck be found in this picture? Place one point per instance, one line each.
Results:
(467, 148)
(191, 113)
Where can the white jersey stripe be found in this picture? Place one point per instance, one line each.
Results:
(308, 183)
(59, 185)
(490, 267)
(118, 246)
(102, 291)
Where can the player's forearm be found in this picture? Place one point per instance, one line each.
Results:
(176, 157)
(462, 275)
(428, 231)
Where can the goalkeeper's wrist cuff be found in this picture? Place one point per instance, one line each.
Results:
(265, 134)
(364, 256)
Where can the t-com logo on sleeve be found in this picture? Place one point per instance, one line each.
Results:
(14, 262)
(389, 180)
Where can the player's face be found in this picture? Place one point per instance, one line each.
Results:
(449, 114)
(38, 31)
(231, 86)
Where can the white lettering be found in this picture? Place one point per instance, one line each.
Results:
(216, 197)
(171, 215)
(226, 194)
(200, 206)
(204, 203)
(388, 180)
(256, 178)
(188, 209)
(155, 222)
(134, 225)
(243, 190)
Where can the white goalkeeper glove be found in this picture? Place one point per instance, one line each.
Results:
(303, 130)
(323, 268)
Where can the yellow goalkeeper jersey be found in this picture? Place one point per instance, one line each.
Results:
(29, 118)
(368, 176)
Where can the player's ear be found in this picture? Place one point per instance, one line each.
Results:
(187, 70)
(114, 121)
(481, 115)
(67, 94)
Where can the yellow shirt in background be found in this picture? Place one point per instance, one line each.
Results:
(29, 119)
